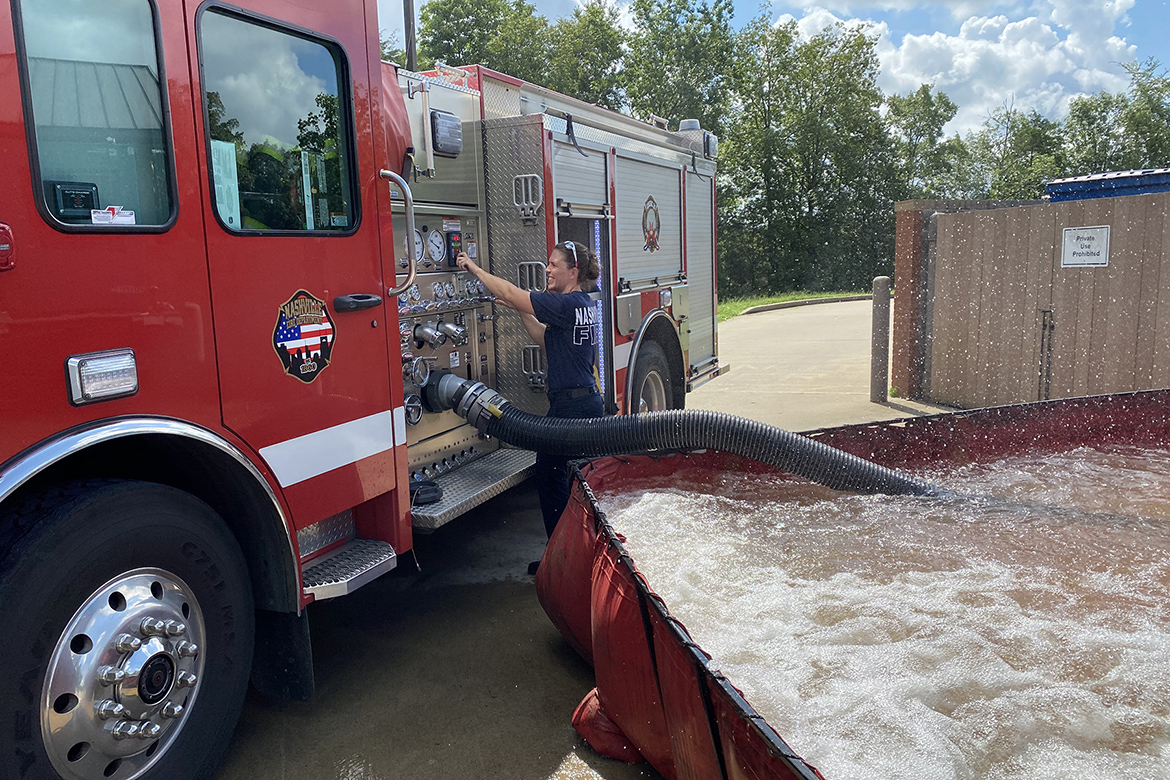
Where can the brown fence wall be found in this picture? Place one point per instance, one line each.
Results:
(1007, 323)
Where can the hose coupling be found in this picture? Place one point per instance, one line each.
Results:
(474, 401)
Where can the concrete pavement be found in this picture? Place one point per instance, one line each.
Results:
(452, 670)
(800, 368)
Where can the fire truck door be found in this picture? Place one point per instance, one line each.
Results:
(293, 248)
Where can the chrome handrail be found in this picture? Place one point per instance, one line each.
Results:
(407, 240)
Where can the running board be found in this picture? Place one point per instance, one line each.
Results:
(473, 484)
(347, 568)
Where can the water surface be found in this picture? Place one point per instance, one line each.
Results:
(893, 637)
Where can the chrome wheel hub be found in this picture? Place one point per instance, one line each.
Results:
(123, 677)
(652, 394)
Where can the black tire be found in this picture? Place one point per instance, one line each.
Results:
(653, 391)
(112, 551)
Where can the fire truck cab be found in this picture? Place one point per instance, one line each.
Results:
(226, 268)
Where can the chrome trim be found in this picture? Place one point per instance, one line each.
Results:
(408, 237)
(653, 315)
(33, 461)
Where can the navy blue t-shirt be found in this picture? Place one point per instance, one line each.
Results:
(570, 338)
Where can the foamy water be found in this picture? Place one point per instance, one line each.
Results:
(899, 637)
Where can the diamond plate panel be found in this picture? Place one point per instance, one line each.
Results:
(499, 98)
(513, 146)
(320, 535)
(474, 484)
(348, 568)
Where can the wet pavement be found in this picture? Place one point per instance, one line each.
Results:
(454, 671)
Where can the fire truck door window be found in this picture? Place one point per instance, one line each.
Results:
(278, 127)
(92, 89)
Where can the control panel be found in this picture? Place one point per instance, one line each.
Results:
(445, 323)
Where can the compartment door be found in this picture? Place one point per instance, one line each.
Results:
(701, 271)
(649, 222)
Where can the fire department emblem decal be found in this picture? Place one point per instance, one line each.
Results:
(651, 224)
(304, 336)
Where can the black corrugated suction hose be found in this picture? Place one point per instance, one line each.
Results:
(689, 430)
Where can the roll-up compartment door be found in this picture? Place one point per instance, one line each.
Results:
(649, 221)
(580, 182)
(701, 267)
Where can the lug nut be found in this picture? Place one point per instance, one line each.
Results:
(110, 709)
(186, 680)
(175, 628)
(124, 729)
(126, 643)
(149, 730)
(172, 710)
(152, 627)
(110, 675)
(187, 649)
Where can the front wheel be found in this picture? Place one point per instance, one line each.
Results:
(129, 626)
(653, 391)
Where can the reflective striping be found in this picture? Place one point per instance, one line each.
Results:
(400, 425)
(621, 355)
(315, 453)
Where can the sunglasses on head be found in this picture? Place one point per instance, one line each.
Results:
(572, 248)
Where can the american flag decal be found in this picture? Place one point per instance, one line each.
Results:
(304, 336)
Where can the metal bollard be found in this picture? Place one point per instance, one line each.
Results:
(879, 364)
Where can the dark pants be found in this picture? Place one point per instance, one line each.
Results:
(552, 472)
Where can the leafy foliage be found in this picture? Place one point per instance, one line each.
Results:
(813, 154)
(587, 54)
(506, 35)
(679, 59)
(807, 198)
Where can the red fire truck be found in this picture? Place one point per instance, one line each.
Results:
(226, 269)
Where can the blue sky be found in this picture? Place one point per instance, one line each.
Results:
(1035, 54)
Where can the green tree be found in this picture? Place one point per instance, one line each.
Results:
(521, 46)
(391, 51)
(1146, 118)
(586, 55)
(506, 35)
(1018, 153)
(809, 169)
(458, 32)
(679, 60)
(928, 159)
(220, 126)
(1094, 134)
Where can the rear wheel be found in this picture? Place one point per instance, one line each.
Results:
(653, 391)
(129, 621)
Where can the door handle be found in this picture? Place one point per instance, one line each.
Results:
(356, 302)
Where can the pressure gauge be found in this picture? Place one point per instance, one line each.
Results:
(418, 246)
(414, 294)
(437, 288)
(449, 287)
(436, 246)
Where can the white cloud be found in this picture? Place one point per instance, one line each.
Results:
(1040, 61)
(267, 80)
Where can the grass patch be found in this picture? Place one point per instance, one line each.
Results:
(733, 306)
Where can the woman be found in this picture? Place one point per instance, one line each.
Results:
(564, 322)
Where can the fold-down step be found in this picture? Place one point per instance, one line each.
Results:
(347, 568)
(474, 484)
